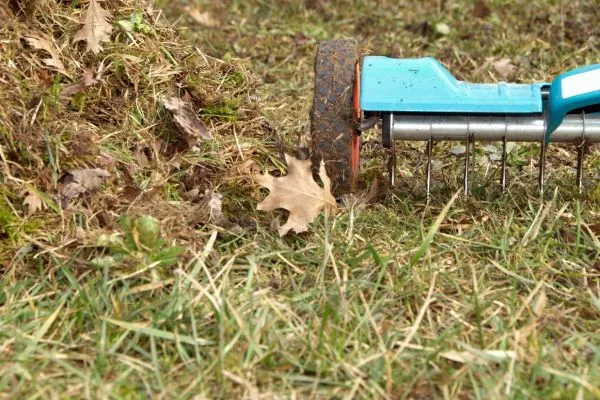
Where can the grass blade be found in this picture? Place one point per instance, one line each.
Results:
(158, 333)
(433, 230)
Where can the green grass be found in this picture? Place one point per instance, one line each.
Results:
(327, 314)
(487, 296)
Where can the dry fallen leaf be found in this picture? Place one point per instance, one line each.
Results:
(33, 201)
(248, 166)
(442, 28)
(139, 154)
(504, 67)
(214, 206)
(192, 128)
(204, 18)
(106, 160)
(244, 171)
(481, 10)
(210, 211)
(360, 201)
(539, 304)
(96, 28)
(298, 193)
(479, 357)
(87, 80)
(40, 42)
(79, 181)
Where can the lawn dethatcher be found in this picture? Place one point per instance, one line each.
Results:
(420, 100)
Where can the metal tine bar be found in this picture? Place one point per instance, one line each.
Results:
(581, 155)
(542, 167)
(503, 176)
(392, 164)
(473, 158)
(466, 173)
(542, 163)
(428, 169)
(467, 154)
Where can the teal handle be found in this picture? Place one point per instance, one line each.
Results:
(570, 91)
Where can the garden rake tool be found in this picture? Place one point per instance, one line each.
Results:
(420, 100)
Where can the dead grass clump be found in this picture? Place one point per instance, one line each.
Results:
(64, 108)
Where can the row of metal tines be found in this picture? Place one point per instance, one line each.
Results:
(469, 139)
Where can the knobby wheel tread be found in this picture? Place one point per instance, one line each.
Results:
(332, 113)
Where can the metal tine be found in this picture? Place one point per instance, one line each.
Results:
(503, 177)
(428, 168)
(467, 154)
(542, 163)
(542, 167)
(580, 156)
(392, 165)
(473, 158)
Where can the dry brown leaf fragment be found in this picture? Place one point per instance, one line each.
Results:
(79, 181)
(130, 193)
(87, 80)
(150, 8)
(106, 160)
(96, 28)
(504, 67)
(188, 123)
(210, 211)
(298, 193)
(39, 41)
(248, 166)
(140, 155)
(539, 304)
(481, 10)
(245, 170)
(360, 201)
(214, 206)
(479, 357)
(204, 18)
(33, 201)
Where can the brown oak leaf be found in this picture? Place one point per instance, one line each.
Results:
(96, 28)
(78, 181)
(39, 41)
(188, 123)
(298, 193)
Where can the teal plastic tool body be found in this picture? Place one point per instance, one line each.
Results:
(424, 85)
(574, 90)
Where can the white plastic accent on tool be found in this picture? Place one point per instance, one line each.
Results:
(578, 84)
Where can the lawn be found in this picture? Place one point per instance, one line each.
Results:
(152, 275)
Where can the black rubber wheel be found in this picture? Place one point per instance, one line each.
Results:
(332, 117)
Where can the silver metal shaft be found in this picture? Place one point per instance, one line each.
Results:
(525, 128)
